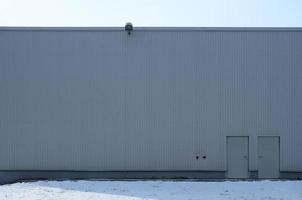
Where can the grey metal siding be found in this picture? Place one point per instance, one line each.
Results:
(102, 100)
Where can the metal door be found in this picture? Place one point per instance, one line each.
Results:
(268, 157)
(237, 157)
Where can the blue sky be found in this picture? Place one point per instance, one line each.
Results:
(200, 13)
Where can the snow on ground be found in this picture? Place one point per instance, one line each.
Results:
(153, 190)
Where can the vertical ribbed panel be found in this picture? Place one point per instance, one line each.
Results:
(154, 100)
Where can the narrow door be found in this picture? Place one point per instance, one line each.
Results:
(268, 157)
(237, 157)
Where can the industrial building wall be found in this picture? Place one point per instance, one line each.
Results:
(102, 100)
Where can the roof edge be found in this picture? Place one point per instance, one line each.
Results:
(50, 28)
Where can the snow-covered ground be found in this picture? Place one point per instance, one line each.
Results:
(167, 190)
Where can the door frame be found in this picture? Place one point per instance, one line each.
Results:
(248, 152)
(279, 140)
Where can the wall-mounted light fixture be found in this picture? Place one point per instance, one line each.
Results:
(129, 28)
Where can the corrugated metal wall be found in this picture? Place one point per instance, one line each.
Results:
(103, 100)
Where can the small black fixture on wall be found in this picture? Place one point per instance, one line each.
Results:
(129, 28)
